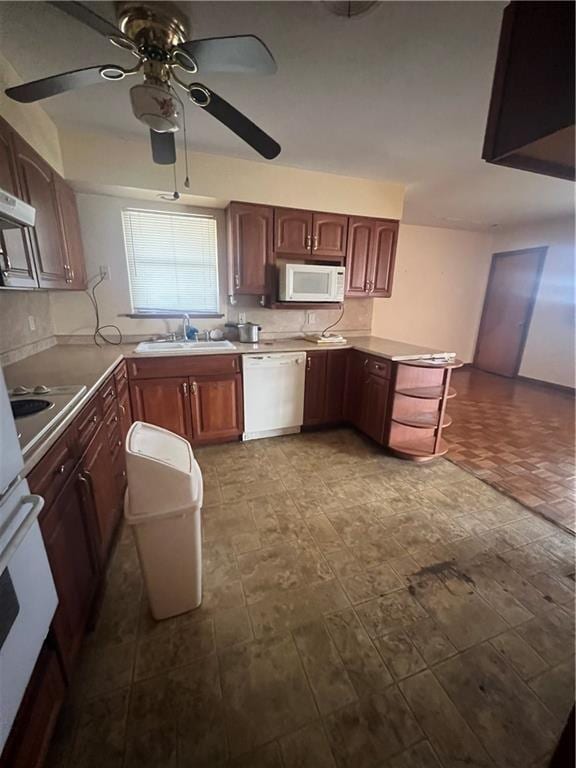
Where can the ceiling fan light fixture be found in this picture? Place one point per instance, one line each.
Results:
(155, 106)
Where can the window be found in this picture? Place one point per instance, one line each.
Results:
(172, 261)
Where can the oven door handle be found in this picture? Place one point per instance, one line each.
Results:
(15, 540)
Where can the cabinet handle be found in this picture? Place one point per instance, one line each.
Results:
(308, 363)
(94, 419)
(185, 388)
(315, 245)
(365, 362)
(115, 419)
(308, 241)
(61, 469)
(5, 274)
(194, 388)
(122, 409)
(67, 273)
(234, 364)
(236, 281)
(119, 443)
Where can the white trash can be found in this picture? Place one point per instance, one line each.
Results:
(162, 504)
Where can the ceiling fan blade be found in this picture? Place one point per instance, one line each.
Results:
(163, 148)
(238, 53)
(67, 81)
(92, 20)
(241, 125)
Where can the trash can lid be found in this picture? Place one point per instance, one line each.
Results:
(160, 445)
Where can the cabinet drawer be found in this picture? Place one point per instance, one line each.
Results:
(49, 476)
(87, 424)
(108, 393)
(379, 367)
(121, 377)
(167, 367)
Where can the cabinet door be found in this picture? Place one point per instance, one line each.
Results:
(354, 391)
(375, 407)
(336, 363)
(163, 402)
(37, 185)
(315, 388)
(124, 413)
(68, 537)
(249, 247)
(292, 232)
(30, 736)
(359, 256)
(216, 408)
(383, 257)
(329, 234)
(17, 264)
(72, 237)
(102, 493)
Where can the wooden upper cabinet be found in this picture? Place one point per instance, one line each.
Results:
(216, 408)
(292, 232)
(250, 239)
(384, 255)
(38, 188)
(71, 235)
(164, 402)
(359, 256)
(370, 256)
(329, 233)
(17, 263)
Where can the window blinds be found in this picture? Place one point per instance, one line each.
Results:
(172, 261)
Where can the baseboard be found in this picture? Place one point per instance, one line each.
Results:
(547, 384)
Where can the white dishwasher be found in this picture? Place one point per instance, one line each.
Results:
(273, 394)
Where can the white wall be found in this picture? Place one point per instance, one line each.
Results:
(109, 161)
(550, 345)
(438, 290)
(29, 120)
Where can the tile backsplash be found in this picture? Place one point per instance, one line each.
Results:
(21, 336)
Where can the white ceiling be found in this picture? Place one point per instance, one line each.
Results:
(400, 94)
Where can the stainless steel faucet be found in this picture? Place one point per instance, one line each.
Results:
(185, 325)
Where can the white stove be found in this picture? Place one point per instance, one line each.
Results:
(36, 409)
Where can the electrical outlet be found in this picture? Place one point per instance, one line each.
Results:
(32, 322)
(310, 318)
(241, 317)
(104, 272)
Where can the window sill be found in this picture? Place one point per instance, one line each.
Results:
(170, 315)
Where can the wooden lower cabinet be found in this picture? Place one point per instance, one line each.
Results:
(375, 398)
(68, 533)
(98, 479)
(315, 388)
(163, 402)
(325, 386)
(216, 408)
(354, 391)
(30, 736)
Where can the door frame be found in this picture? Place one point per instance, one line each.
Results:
(541, 251)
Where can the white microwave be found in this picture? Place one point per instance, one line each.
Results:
(311, 282)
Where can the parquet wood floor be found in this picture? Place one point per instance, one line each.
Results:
(519, 437)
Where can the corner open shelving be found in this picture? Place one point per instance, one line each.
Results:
(422, 390)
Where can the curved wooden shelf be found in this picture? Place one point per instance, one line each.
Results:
(453, 363)
(427, 393)
(419, 450)
(423, 420)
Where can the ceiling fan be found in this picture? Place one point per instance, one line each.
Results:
(156, 33)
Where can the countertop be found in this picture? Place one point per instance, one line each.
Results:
(67, 364)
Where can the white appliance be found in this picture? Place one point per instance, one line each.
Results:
(311, 282)
(15, 213)
(273, 394)
(27, 593)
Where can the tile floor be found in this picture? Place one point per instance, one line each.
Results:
(359, 612)
(519, 437)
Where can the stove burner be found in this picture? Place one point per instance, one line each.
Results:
(28, 406)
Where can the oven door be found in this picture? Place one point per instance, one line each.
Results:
(27, 598)
(312, 283)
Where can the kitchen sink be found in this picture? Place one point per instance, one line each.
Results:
(181, 347)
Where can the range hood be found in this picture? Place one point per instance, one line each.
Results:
(15, 213)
